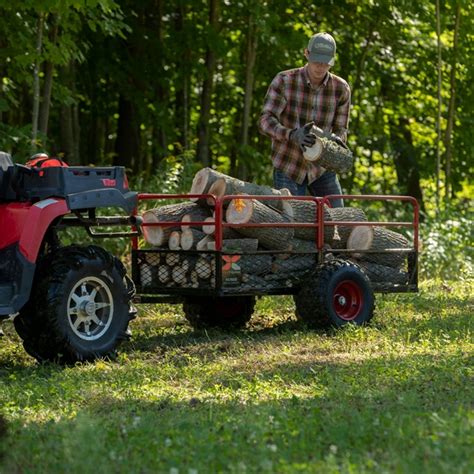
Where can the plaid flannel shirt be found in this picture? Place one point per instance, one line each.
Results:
(291, 102)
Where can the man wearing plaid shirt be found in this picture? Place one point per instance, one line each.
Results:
(297, 99)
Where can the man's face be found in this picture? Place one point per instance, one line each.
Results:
(316, 71)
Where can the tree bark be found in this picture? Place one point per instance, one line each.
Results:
(127, 142)
(203, 152)
(451, 106)
(36, 80)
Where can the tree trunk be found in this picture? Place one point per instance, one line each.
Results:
(250, 56)
(203, 153)
(36, 80)
(439, 67)
(451, 106)
(48, 82)
(126, 144)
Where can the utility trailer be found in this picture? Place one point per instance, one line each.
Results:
(329, 285)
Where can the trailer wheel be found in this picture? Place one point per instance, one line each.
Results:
(79, 308)
(337, 294)
(226, 312)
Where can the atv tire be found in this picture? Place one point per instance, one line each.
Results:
(226, 312)
(338, 293)
(79, 308)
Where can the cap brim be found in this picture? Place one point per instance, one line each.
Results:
(321, 58)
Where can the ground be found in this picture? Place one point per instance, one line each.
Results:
(396, 396)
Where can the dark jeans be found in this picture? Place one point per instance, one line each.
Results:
(326, 184)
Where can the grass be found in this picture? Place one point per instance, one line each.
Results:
(396, 396)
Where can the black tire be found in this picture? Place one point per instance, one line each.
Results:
(227, 312)
(79, 307)
(338, 293)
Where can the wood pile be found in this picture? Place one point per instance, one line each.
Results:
(274, 255)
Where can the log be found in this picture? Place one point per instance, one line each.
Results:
(305, 212)
(172, 259)
(345, 214)
(202, 182)
(197, 214)
(203, 268)
(330, 155)
(383, 239)
(227, 232)
(164, 274)
(379, 274)
(243, 211)
(194, 279)
(174, 241)
(294, 265)
(178, 275)
(236, 245)
(158, 235)
(225, 185)
(145, 274)
(256, 264)
(361, 237)
(190, 237)
(202, 244)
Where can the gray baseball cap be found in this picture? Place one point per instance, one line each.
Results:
(322, 49)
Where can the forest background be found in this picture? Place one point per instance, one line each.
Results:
(167, 87)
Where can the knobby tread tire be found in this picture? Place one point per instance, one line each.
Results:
(43, 326)
(315, 301)
(229, 312)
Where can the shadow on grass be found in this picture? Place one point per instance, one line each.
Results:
(396, 414)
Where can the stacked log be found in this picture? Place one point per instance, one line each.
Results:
(251, 211)
(269, 256)
(159, 235)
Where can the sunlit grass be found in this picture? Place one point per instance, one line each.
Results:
(395, 396)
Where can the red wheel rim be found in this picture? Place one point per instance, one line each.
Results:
(348, 300)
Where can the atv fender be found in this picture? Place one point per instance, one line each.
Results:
(39, 218)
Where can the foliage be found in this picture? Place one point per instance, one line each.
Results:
(447, 245)
(392, 397)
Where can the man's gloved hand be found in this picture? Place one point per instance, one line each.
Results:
(338, 140)
(302, 136)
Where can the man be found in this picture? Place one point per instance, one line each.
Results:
(295, 100)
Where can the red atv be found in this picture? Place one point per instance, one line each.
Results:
(68, 303)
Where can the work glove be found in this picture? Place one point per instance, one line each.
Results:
(332, 136)
(303, 137)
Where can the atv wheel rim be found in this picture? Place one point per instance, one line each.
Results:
(348, 300)
(90, 308)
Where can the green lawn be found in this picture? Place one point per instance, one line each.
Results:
(393, 397)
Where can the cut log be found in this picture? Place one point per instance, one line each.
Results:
(383, 239)
(174, 241)
(295, 264)
(225, 185)
(256, 264)
(381, 274)
(172, 259)
(243, 211)
(203, 268)
(145, 274)
(197, 214)
(158, 235)
(305, 212)
(178, 275)
(202, 182)
(361, 237)
(164, 274)
(209, 228)
(190, 237)
(329, 155)
(300, 245)
(346, 214)
(236, 245)
(202, 244)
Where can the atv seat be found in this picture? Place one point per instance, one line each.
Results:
(6, 164)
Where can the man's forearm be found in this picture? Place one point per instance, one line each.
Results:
(270, 126)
